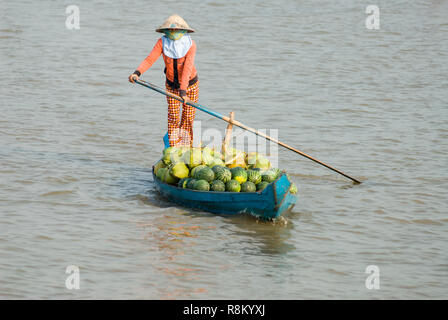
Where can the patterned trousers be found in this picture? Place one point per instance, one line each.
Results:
(180, 130)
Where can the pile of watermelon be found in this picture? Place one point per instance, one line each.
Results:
(205, 169)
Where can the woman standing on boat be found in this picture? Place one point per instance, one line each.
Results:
(178, 50)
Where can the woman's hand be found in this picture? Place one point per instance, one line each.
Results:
(133, 77)
(186, 99)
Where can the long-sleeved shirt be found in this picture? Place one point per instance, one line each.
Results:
(186, 70)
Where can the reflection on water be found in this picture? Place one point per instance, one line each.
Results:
(174, 237)
(178, 235)
(269, 237)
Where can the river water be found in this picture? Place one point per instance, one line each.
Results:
(77, 143)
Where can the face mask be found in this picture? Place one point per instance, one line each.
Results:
(174, 35)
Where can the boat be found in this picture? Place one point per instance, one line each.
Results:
(266, 204)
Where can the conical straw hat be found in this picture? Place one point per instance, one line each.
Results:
(175, 22)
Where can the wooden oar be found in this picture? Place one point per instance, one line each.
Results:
(228, 135)
(241, 125)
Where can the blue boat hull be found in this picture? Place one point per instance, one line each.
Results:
(267, 204)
